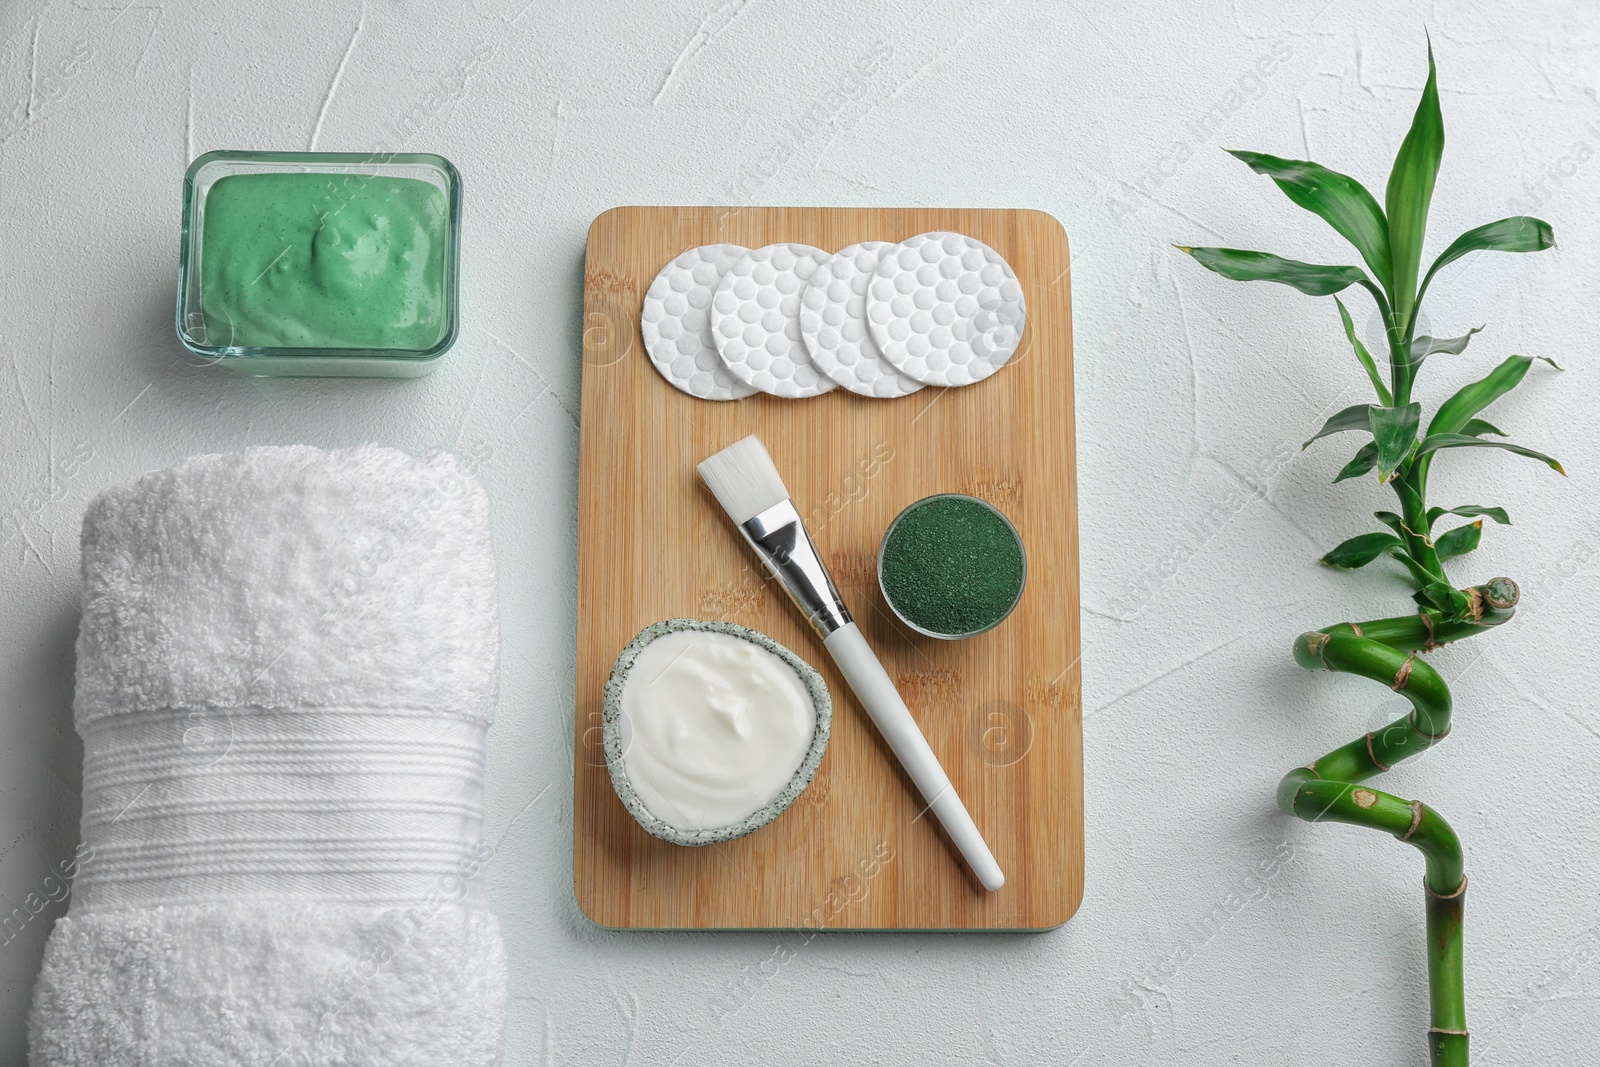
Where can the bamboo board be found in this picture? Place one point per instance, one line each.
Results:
(1003, 710)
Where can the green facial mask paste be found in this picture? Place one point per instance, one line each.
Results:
(952, 566)
(323, 261)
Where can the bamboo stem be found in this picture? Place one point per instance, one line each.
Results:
(1385, 650)
(1410, 487)
(1447, 1033)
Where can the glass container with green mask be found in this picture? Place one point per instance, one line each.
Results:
(320, 263)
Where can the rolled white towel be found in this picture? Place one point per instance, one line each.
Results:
(286, 667)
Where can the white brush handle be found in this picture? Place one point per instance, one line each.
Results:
(876, 691)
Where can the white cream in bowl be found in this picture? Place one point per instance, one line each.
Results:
(711, 729)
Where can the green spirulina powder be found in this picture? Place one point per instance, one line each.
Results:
(952, 565)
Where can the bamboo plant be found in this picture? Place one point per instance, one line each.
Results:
(1389, 240)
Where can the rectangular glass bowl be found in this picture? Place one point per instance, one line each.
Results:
(210, 168)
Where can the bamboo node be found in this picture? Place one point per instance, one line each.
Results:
(1427, 622)
(1462, 888)
(1403, 675)
(1416, 821)
(1375, 761)
(1474, 603)
(1442, 1030)
(1355, 628)
(1430, 738)
(1364, 798)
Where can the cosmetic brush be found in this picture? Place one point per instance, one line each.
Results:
(747, 485)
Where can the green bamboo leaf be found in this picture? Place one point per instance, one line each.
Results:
(1520, 233)
(1339, 199)
(1395, 431)
(1460, 541)
(1435, 441)
(1313, 279)
(1409, 194)
(1365, 459)
(1354, 417)
(1468, 511)
(1444, 596)
(1360, 550)
(1391, 520)
(1425, 346)
(1367, 362)
(1454, 414)
(1479, 427)
(1419, 574)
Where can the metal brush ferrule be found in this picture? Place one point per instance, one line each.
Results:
(784, 545)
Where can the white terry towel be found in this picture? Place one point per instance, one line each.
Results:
(285, 670)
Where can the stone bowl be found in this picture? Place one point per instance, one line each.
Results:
(613, 727)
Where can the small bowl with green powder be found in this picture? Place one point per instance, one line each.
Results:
(952, 566)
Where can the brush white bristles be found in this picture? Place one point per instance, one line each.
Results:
(744, 480)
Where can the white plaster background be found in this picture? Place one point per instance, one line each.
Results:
(1201, 522)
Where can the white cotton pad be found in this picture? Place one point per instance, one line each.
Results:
(833, 321)
(677, 326)
(755, 320)
(945, 309)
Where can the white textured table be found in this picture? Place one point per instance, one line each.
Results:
(1214, 929)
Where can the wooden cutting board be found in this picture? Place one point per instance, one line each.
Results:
(1003, 711)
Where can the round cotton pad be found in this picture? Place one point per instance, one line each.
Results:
(833, 321)
(755, 320)
(677, 327)
(945, 309)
